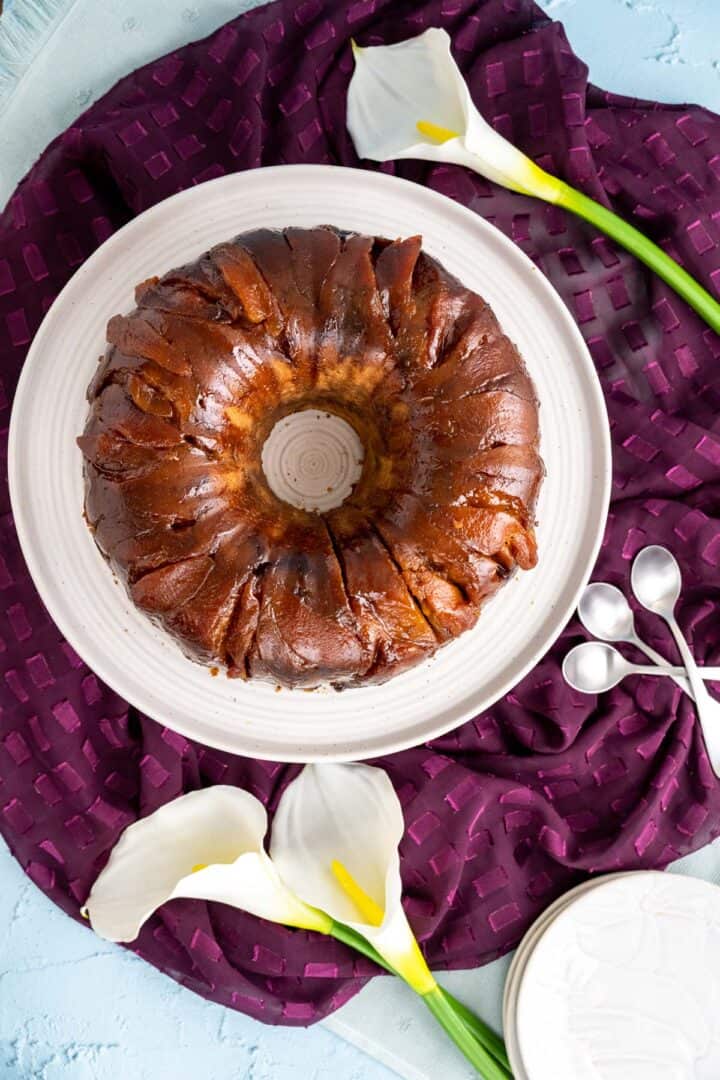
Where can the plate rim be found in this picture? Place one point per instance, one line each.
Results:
(331, 752)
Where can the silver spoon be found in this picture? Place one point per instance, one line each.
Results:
(656, 582)
(594, 667)
(605, 612)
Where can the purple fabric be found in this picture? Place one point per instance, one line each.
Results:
(510, 810)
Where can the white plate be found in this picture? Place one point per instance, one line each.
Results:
(141, 662)
(524, 951)
(625, 983)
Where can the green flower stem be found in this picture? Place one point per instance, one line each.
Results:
(535, 181)
(480, 1058)
(644, 249)
(484, 1034)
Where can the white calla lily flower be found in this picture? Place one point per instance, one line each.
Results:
(335, 843)
(410, 100)
(205, 845)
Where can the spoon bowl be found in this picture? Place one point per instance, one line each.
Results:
(656, 580)
(594, 667)
(605, 613)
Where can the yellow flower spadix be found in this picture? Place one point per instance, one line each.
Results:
(434, 131)
(369, 910)
(409, 962)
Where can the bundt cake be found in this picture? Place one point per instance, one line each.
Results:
(373, 331)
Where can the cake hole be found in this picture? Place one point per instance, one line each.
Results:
(312, 460)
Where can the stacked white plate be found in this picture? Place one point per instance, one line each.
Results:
(619, 980)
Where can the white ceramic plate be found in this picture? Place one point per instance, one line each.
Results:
(517, 968)
(625, 983)
(140, 661)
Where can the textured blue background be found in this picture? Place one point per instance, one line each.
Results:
(72, 1006)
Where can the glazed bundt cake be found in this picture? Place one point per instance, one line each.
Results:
(262, 327)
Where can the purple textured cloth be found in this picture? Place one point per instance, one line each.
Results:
(511, 809)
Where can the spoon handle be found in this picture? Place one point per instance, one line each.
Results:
(707, 674)
(656, 669)
(657, 658)
(708, 709)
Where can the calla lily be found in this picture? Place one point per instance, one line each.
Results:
(205, 845)
(335, 843)
(409, 100)
(343, 823)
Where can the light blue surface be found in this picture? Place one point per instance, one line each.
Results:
(663, 50)
(71, 1006)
